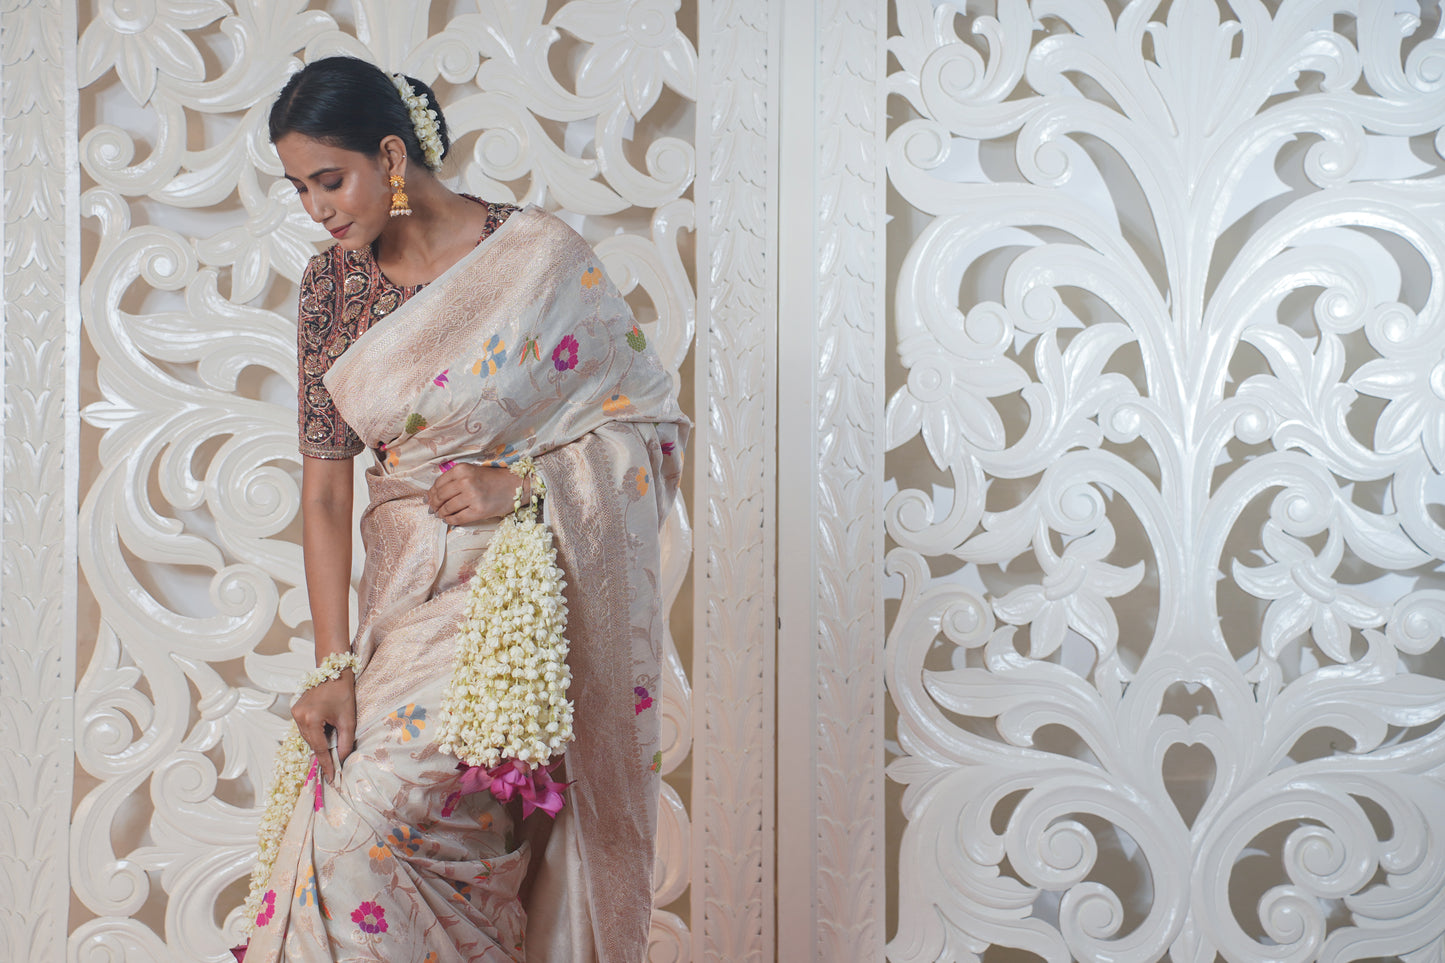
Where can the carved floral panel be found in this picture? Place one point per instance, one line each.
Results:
(193, 247)
(1166, 440)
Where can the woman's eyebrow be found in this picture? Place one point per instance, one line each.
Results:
(313, 175)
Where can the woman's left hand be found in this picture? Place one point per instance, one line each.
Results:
(467, 494)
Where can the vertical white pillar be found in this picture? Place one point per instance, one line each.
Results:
(734, 563)
(831, 882)
(37, 569)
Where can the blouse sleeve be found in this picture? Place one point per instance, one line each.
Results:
(323, 432)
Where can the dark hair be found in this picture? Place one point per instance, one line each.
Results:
(351, 104)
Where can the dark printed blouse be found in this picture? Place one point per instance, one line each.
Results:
(343, 293)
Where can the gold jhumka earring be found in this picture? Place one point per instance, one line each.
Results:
(399, 203)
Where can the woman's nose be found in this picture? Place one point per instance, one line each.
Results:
(317, 208)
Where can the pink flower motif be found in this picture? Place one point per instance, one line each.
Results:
(441, 380)
(446, 466)
(268, 909)
(564, 356)
(644, 700)
(370, 917)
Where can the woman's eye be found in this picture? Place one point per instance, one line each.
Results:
(333, 186)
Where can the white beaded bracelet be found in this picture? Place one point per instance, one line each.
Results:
(330, 668)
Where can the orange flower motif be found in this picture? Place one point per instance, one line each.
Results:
(618, 404)
(591, 277)
(639, 480)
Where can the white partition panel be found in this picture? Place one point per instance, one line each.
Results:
(1166, 442)
(195, 628)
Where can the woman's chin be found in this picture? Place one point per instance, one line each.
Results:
(355, 239)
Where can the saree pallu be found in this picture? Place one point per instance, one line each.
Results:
(523, 348)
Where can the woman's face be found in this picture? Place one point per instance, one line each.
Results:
(347, 193)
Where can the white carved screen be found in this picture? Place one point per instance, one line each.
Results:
(193, 245)
(1166, 540)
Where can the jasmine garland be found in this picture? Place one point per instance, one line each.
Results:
(287, 779)
(507, 696)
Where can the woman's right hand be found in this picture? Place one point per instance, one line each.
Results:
(330, 704)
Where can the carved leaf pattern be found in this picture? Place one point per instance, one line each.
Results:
(188, 305)
(37, 527)
(1166, 658)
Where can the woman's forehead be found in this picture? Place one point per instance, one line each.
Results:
(302, 155)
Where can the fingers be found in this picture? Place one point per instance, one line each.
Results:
(457, 509)
(345, 738)
(326, 718)
(313, 730)
(467, 494)
(445, 487)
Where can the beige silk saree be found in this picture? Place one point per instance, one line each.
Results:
(523, 348)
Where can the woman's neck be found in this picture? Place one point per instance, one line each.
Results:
(419, 247)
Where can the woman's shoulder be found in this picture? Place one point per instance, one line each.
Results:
(323, 269)
(321, 282)
(549, 229)
(497, 214)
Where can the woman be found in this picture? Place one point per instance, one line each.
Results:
(452, 337)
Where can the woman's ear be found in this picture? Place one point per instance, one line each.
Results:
(393, 154)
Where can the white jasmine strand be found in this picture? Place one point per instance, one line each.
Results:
(423, 121)
(330, 668)
(507, 697)
(288, 778)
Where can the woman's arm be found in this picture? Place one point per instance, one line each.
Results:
(326, 487)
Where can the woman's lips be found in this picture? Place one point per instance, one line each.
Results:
(340, 232)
